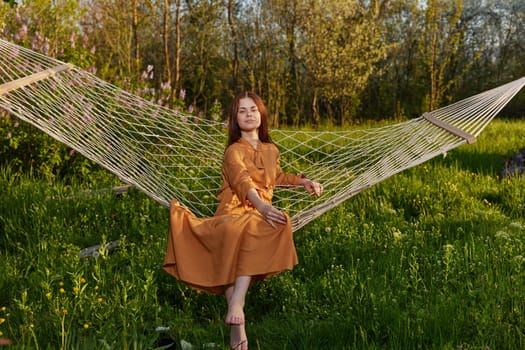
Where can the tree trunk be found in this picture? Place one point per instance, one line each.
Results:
(136, 36)
(175, 84)
(315, 109)
(233, 31)
(165, 39)
(178, 48)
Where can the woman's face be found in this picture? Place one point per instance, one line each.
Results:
(248, 116)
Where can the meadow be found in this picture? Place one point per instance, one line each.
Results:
(432, 258)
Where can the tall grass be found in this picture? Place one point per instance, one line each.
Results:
(432, 258)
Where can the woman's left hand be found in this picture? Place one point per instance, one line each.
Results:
(312, 187)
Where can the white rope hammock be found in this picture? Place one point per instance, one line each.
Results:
(169, 154)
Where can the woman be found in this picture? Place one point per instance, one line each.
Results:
(247, 239)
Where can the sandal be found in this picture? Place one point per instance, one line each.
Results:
(241, 343)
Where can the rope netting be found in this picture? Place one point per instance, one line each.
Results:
(170, 154)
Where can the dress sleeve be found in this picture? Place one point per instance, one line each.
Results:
(284, 178)
(236, 173)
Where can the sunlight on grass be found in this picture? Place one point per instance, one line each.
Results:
(432, 258)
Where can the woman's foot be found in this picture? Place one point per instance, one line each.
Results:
(238, 340)
(235, 296)
(5, 341)
(243, 345)
(235, 314)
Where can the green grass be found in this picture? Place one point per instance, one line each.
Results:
(432, 258)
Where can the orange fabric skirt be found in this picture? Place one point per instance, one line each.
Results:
(209, 253)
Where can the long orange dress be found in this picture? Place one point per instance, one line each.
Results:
(209, 253)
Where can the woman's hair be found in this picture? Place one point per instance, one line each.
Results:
(234, 132)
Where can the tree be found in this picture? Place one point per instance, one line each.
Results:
(263, 62)
(48, 27)
(202, 55)
(166, 29)
(443, 41)
(135, 29)
(341, 44)
(115, 28)
(285, 14)
(178, 47)
(398, 86)
(230, 10)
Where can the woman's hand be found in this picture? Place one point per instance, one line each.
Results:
(270, 214)
(312, 187)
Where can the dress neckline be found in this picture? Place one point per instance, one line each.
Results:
(246, 142)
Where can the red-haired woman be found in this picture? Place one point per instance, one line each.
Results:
(247, 239)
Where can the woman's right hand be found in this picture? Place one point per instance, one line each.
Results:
(272, 215)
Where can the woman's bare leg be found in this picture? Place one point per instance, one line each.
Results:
(228, 293)
(235, 296)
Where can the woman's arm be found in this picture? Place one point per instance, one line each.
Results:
(312, 187)
(271, 214)
(236, 173)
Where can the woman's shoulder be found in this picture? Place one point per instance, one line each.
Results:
(236, 149)
(270, 146)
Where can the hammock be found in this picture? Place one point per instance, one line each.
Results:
(170, 154)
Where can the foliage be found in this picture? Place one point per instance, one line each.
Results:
(342, 45)
(345, 61)
(23, 146)
(27, 149)
(441, 46)
(51, 30)
(431, 258)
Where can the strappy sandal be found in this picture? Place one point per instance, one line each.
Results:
(241, 343)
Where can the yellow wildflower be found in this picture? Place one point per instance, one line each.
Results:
(86, 326)
(82, 280)
(397, 234)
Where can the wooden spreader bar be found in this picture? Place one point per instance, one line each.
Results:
(450, 128)
(33, 78)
